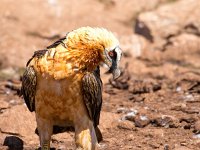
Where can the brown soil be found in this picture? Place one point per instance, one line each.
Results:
(155, 104)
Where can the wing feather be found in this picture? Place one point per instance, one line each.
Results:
(28, 89)
(58, 42)
(92, 94)
(29, 81)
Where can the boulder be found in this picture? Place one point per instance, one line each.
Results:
(18, 121)
(169, 20)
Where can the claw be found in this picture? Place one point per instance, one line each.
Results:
(46, 146)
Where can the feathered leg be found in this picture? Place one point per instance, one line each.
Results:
(45, 129)
(85, 135)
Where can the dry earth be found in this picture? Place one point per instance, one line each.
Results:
(155, 104)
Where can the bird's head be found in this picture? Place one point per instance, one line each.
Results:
(97, 45)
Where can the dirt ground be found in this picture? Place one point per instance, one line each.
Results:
(155, 104)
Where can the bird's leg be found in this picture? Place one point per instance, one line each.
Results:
(85, 135)
(45, 129)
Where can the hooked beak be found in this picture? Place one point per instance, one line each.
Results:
(114, 69)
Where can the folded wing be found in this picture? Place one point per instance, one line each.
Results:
(92, 94)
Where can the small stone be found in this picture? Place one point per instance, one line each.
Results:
(126, 125)
(166, 147)
(143, 118)
(178, 89)
(196, 136)
(141, 121)
(121, 110)
(183, 143)
(129, 116)
(164, 121)
(188, 119)
(13, 102)
(136, 98)
(197, 127)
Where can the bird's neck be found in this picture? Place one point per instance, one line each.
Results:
(85, 59)
(84, 53)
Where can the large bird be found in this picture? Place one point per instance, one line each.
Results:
(62, 83)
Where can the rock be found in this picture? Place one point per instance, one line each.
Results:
(164, 121)
(19, 121)
(130, 115)
(122, 110)
(133, 45)
(187, 122)
(108, 119)
(197, 127)
(191, 110)
(196, 136)
(186, 109)
(166, 147)
(153, 24)
(126, 125)
(141, 121)
(140, 87)
(13, 143)
(188, 119)
(136, 98)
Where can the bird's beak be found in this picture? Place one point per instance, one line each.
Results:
(114, 69)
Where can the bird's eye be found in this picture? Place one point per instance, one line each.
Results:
(111, 54)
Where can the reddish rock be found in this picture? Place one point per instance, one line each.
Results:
(126, 125)
(197, 127)
(141, 121)
(166, 21)
(164, 121)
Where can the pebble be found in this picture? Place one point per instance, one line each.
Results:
(163, 121)
(127, 125)
(196, 136)
(141, 121)
(197, 127)
(122, 110)
(178, 89)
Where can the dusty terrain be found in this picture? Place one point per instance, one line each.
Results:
(155, 104)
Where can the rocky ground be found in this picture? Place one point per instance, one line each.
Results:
(155, 104)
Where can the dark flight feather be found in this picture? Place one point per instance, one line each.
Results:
(28, 88)
(92, 94)
(29, 82)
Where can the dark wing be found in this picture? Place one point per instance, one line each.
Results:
(37, 54)
(60, 41)
(28, 89)
(29, 81)
(92, 94)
